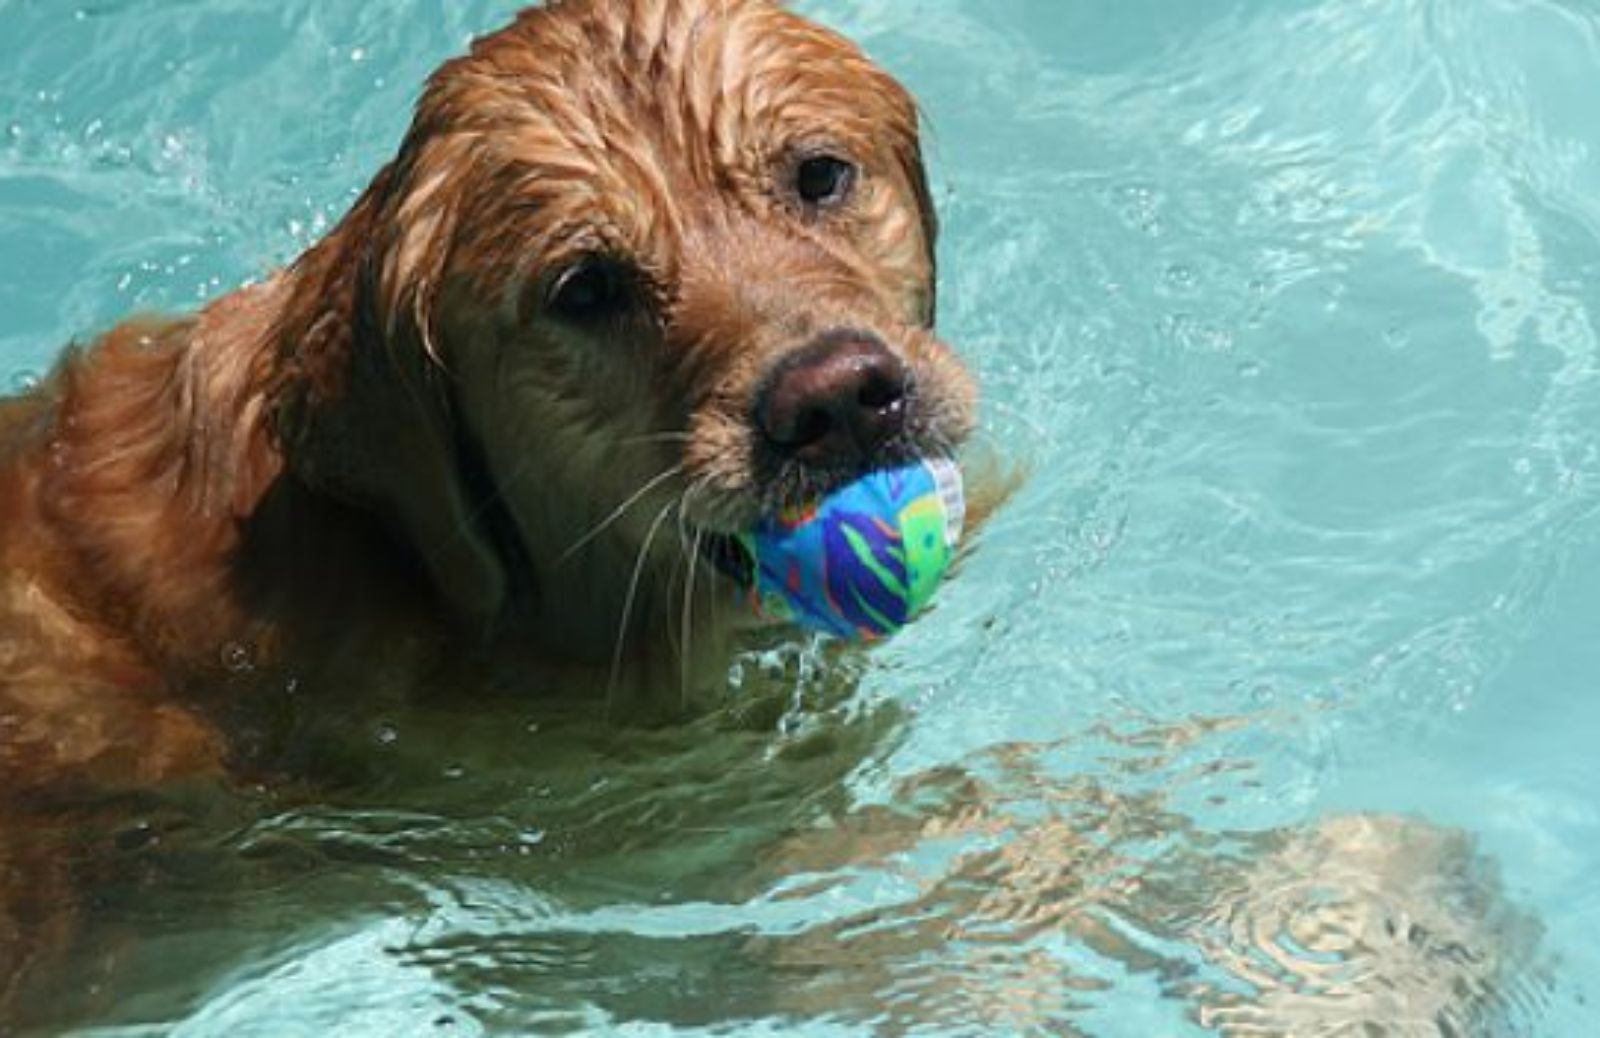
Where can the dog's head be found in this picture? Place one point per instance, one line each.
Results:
(637, 260)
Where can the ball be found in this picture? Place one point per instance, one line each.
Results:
(862, 562)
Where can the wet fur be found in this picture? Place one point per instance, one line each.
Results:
(387, 466)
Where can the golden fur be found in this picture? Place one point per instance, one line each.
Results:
(391, 462)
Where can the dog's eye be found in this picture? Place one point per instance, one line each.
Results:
(823, 180)
(592, 289)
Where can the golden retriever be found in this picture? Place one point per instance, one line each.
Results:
(641, 271)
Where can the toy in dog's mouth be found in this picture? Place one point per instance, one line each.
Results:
(859, 563)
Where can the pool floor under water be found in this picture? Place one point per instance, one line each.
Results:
(1267, 707)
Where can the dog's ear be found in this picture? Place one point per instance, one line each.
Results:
(364, 412)
(908, 152)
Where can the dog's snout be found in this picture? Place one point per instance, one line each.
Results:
(835, 402)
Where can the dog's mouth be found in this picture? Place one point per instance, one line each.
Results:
(822, 420)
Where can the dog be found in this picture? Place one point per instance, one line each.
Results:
(641, 272)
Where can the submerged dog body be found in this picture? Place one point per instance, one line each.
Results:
(641, 272)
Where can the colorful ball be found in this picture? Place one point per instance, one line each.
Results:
(862, 562)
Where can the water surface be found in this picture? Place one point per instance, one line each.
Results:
(1282, 664)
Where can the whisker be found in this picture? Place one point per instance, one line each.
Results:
(688, 549)
(627, 602)
(660, 437)
(617, 513)
(686, 654)
(683, 517)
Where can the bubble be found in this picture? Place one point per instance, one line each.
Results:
(1196, 333)
(454, 771)
(24, 381)
(237, 658)
(1180, 277)
(386, 734)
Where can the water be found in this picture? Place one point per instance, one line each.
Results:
(1291, 308)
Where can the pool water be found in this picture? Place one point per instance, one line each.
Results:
(1290, 307)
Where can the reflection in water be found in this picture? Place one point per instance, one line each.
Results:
(576, 876)
(1367, 925)
(1053, 891)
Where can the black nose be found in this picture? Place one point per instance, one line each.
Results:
(836, 401)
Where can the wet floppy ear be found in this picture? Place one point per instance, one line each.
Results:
(367, 416)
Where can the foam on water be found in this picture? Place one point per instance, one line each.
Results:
(1291, 308)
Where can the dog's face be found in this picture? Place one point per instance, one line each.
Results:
(671, 252)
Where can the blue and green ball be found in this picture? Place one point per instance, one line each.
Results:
(862, 562)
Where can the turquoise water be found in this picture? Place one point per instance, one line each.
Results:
(1290, 306)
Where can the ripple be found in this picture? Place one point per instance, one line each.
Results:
(1371, 925)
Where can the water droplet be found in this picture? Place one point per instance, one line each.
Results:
(1180, 277)
(14, 131)
(237, 658)
(358, 54)
(136, 836)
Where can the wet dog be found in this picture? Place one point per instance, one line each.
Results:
(641, 272)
